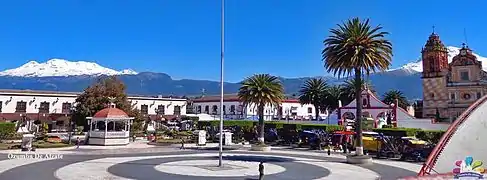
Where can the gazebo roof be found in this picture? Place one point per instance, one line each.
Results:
(111, 112)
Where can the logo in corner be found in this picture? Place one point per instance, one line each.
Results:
(468, 168)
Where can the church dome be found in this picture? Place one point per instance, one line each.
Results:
(434, 44)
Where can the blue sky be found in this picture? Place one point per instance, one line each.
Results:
(182, 37)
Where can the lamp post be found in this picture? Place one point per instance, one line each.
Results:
(222, 46)
(71, 124)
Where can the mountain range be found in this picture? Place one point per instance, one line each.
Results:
(64, 75)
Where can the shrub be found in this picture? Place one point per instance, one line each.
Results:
(430, 136)
(397, 131)
(7, 130)
(49, 145)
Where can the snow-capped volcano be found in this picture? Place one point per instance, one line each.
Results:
(417, 66)
(61, 67)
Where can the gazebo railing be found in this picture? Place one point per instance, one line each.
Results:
(116, 134)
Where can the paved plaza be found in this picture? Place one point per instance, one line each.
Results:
(144, 162)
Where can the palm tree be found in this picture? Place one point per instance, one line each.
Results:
(391, 96)
(261, 90)
(349, 89)
(355, 47)
(313, 92)
(333, 95)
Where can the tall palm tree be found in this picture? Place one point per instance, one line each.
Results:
(261, 90)
(355, 47)
(391, 96)
(313, 92)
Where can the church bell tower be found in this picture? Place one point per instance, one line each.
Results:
(435, 69)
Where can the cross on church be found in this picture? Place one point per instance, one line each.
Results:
(463, 45)
(433, 29)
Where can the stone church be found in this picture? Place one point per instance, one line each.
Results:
(450, 88)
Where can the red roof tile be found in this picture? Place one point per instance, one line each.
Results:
(111, 112)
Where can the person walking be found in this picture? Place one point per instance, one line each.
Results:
(261, 170)
(77, 143)
(182, 144)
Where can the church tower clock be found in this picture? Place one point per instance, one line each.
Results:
(435, 69)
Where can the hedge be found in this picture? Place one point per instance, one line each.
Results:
(7, 130)
(426, 135)
(271, 124)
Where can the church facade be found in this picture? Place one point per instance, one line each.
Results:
(450, 88)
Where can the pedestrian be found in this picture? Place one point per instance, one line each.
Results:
(77, 143)
(134, 137)
(182, 144)
(318, 141)
(261, 170)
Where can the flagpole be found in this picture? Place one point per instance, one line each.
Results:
(221, 81)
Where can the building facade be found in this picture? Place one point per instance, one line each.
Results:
(290, 109)
(54, 108)
(450, 88)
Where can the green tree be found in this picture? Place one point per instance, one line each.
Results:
(261, 90)
(355, 47)
(97, 96)
(391, 96)
(333, 95)
(313, 92)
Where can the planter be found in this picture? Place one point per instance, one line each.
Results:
(363, 159)
(264, 148)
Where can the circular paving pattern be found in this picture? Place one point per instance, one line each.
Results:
(190, 165)
(209, 168)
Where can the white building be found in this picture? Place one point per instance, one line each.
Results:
(55, 107)
(375, 109)
(209, 109)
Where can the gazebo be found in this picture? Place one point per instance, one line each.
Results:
(109, 126)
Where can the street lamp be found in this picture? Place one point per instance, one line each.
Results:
(70, 133)
(222, 46)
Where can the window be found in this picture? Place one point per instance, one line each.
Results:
(144, 109)
(323, 111)
(364, 102)
(214, 109)
(310, 110)
(1, 104)
(161, 109)
(199, 109)
(466, 96)
(432, 95)
(44, 107)
(207, 109)
(479, 95)
(21, 106)
(464, 76)
(66, 108)
(452, 96)
(232, 109)
(240, 109)
(177, 110)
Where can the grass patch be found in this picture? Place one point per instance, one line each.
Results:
(5, 146)
(50, 144)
